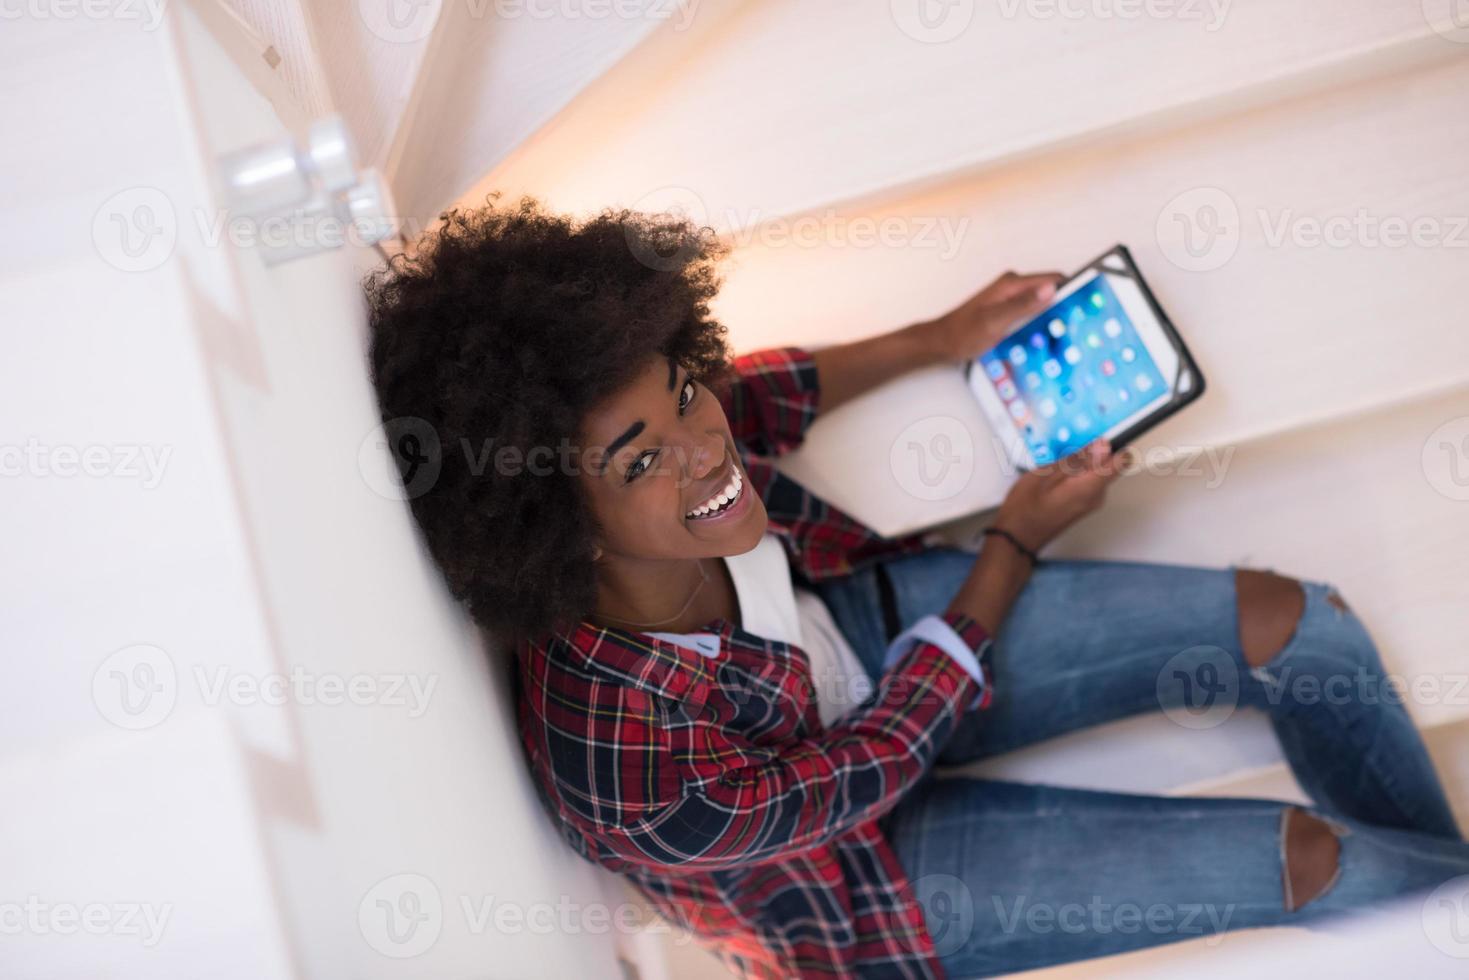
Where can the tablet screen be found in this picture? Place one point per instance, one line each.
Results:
(1078, 371)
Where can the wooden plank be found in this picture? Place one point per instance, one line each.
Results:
(763, 122)
(1288, 332)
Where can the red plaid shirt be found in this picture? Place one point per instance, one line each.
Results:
(711, 783)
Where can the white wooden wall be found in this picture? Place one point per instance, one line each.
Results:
(1333, 443)
(156, 824)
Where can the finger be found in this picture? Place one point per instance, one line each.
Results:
(1118, 462)
(1024, 303)
(1014, 283)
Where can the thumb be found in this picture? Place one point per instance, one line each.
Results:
(1023, 304)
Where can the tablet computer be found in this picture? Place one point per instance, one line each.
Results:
(1102, 361)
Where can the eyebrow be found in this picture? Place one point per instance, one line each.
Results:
(637, 427)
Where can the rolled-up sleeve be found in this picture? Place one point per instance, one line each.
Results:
(962, 637)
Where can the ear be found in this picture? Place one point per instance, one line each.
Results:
(596, 553)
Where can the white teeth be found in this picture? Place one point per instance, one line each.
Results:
(721, 499)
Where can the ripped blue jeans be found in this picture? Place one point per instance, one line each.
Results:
(1014, 876)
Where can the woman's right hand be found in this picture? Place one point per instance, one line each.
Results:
(1047, 500)
(1041, 504)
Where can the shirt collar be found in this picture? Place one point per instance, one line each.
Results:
(650, 663)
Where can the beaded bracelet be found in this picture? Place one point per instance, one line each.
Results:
(1034, 558)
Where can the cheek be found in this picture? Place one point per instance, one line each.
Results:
(636, 517)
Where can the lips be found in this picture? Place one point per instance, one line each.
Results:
(729, 497)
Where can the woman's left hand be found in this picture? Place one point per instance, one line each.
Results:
(983, 320)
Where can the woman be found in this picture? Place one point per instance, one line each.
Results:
(734, 694)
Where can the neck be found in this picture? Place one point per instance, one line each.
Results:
(660, 595)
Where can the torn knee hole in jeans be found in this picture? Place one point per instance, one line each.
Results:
(1310, 844)
(1340, 604)
(1269, 608)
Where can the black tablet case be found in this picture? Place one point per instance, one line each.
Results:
(1188, 385)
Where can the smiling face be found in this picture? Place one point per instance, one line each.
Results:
(667, 482)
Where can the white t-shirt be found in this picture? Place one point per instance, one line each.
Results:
(772, 607)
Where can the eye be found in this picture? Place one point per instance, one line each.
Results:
(640, 465)
(689, 389)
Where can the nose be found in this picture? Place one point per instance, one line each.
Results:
(705, 457)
